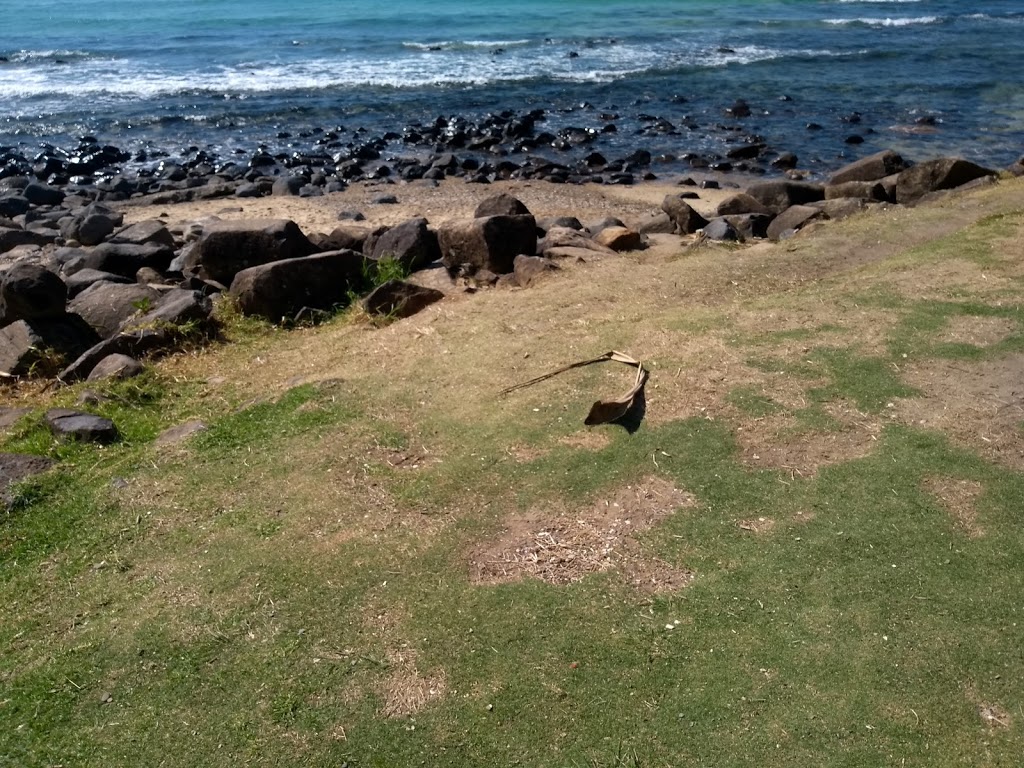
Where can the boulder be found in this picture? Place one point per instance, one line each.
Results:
(934, 175)
(550, 222)
(741, 203)
(115, 367)
(871, 168)
(178, 310)
(12, 237)
(597, 226)
(619, 239)
(13, 205)
(228, 247)
(562, 237)
(136, 344)
(347, 237)
(41, 347)
(686, 220)
(721, 230)
(839, 208)
(152, 231)
(528, 269)
(281, 288)
(397, 299)
(69, 425)
(31, 292)
(488, 242)
(42, 194)
(863, 190)
(82, 279)
(750, 225)
(777, 196)
(791, 220)
(501, 204)
(107, 306)
(287, 185)
(411, 244)
(126, 259)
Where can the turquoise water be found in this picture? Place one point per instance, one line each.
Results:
(225, 73)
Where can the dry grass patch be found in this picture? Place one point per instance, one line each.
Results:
(979, 331)
(979, 405)
(959, 499)
(758, 525)
(562, 548)
(405, 690)
(587, 440)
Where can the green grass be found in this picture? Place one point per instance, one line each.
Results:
(255, 595)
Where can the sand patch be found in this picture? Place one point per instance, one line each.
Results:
(562, 548)
(978, 405)
(958, 498)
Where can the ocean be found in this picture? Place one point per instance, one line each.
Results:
(825, 79)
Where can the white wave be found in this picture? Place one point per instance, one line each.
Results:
(887, 22)
(114, 81)
(447, 45)
(873, 2)
(25, 56)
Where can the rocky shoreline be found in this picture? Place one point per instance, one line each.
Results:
(85, 293)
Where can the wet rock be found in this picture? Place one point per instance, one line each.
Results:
(228, 247)
(115, 367)
(280, 289)
(398, 299)
(70, 425)
(489, 242)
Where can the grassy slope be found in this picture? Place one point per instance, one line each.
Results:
(295, 585)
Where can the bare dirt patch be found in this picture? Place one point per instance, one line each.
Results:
(405, 690)
(979, 331)
(562, 548)
(757, 525)
(958, 498)
(991, 714)
(979, 405)
(587, 440)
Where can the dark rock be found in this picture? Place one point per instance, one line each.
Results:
(181, 311)
(287, 185)
(15, 467)
(838, 208)
(148, 276)
(528, 269)
(500, 205)
(864, 190)
(107, 306)
(741, 203)
(126, 259)
(116, 367)
(13, 205)
(489, 242)
(41, 347)
(745, 152)
(83, 278)
(777, 196)
(136, 344)
(596, 227)
(280, 289)
(93, 229)
(43, 194)
(562, 237)
(343, 238)
(870, 168)
(750, 225)
(397, 298)
(686, 220)
(386, 200)
(74, 425)
(349, 215)
(570, 222)
(785, 161)
(411, 244)
(934, 175)
(659, 223)
(791, 220)
(227, 247)
(721, 230)
(12, 237)
(150, 231)
(30, 292)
